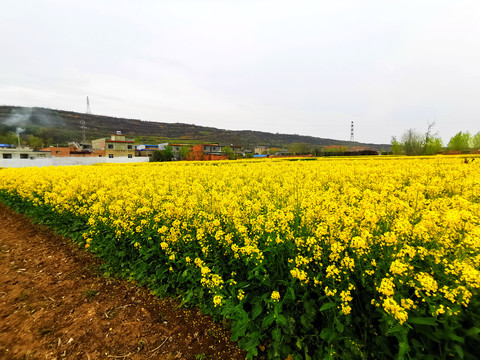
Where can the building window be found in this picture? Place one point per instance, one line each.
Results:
(129, 156)
(57, 151)
(23, 156)
(110, 156)
(129, 147)
(110, 146)
(7, 156)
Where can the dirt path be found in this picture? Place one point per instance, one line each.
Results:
(54, 305)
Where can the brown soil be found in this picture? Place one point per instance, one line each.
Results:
(54, 304)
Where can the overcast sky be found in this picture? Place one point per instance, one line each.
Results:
(297, 67)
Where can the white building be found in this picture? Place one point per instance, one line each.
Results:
(22, 153)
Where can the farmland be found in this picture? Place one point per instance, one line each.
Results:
(344, 258)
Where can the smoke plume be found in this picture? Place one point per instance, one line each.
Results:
(19, 117)
(25, 117)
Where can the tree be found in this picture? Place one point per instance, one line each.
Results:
(227, 150)
(413, 142)
(433, 146)
(317, 150)
(49, 142)
(397, 147)
(162, 155)
(460, 142)
(476, 141)
(184, 152)
(416, 143)
(35, 142)
(9, 138)
(336, 149)
(299, 149)
(273, 150)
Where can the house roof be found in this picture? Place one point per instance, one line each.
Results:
(120, 141)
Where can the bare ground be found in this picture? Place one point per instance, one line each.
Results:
(54, 304)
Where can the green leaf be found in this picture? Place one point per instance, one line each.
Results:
(396, 328)
(277, 334)
(189, 296)
(256, 311)
(403, 348)
(472, 331)
(268, 320)
(423, 321)
(289, 294)
(450, 335)
(328, 335)
(309, 307)
(325, 334)
(250, 343)
(458, 350)
(238, 330)
(281, 320)
(306, 322)
(327, 306)
(299, 344)
(340, 328)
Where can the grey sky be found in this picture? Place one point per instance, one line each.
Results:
(303, 67)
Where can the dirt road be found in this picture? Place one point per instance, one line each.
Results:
(54, 304)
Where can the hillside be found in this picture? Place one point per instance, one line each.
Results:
(60, 127)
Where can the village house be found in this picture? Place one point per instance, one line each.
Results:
(146, 150)
(238, 150)
(7, 151)
(199, 152)
(261, 150)
(73, 150)
(116, 146)
(176, 148)
(207, 152)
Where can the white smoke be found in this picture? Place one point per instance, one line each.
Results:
(18, 131)
(26, 117)
(19, 117)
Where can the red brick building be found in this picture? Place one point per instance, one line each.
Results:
(206, 152)
(74, 150)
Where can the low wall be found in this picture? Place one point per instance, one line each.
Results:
(62, 161)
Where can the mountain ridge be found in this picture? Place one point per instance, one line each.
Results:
(61, 126)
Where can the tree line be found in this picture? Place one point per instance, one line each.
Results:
(413, 142)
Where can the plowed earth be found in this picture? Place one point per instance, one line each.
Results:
(54, 304)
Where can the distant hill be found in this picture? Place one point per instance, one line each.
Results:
(60, 127)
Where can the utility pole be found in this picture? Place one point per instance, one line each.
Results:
(88, 106)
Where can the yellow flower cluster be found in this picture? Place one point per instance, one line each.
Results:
(217, 300)
(407, 229)
(275, 296)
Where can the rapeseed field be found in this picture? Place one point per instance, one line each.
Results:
(343, 258)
